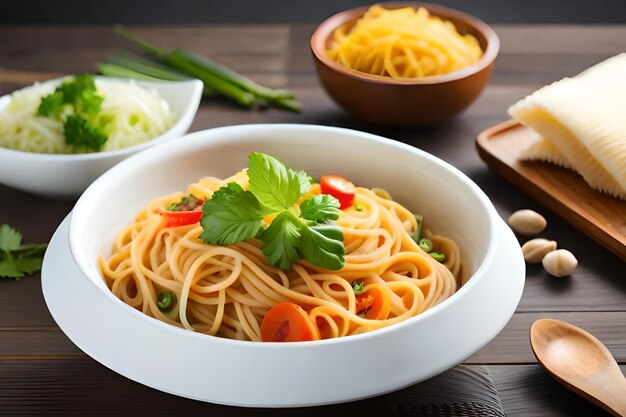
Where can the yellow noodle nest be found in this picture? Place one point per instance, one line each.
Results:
(403, 43)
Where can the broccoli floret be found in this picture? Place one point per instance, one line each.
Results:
(81, 95)
(51, 104)
(79, 132)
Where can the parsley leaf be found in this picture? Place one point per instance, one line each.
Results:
(17, 260)
(10, 239)
(323, 246)
(9, 270)
(79, 132)
(305, 181)
(282, 238)
(231, 215)
(20, 267)
(273, 184)
(320, 208)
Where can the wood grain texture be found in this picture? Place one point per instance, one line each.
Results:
(528, 391)
(42, 372)
(511, 346)
(70, 387)
(599, 215)
(530, 55)
(78, 388)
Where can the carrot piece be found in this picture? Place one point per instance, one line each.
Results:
(375, 303)
(288, 322)
(364, 301)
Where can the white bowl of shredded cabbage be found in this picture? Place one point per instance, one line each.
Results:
(38, 153)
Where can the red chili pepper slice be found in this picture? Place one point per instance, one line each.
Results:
(181, 218)
(340, 188)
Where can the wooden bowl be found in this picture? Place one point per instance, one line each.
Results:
(387, 101)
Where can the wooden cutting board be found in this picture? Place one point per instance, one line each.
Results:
(601, 217)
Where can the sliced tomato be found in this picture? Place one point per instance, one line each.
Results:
(288, 322)
(181, 218)
(374, 304)
(340, 188)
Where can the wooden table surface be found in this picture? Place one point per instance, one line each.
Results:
(41, 371)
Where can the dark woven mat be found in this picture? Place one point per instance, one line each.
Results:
(460, 391)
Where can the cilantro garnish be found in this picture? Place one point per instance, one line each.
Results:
(76, 103)
(17, 260)
(233, 215)
(320, 208)
(282, 237)
(323, 246)
(273, 184)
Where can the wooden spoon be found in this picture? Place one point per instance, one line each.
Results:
(580, 362)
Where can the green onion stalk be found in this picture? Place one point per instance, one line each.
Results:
(181, 63)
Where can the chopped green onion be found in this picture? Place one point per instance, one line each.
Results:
(216, 78)
(357, 286)
(420, 222)
(112, 70)
(166, 301)
(237, 79)
(426, 244)
(147, 67)
(438, 256)
(187, 203)
(359, 207)
(112, 67)
(179, 60)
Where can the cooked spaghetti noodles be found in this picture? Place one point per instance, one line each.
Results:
(403, 43)
(227, 291)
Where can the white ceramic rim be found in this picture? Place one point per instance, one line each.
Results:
(189, 141)
(181, 119)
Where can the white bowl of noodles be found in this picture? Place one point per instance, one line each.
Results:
(249, 373)
(38, 164)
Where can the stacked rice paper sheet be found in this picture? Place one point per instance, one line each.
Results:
(582, 124)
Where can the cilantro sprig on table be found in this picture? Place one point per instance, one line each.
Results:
(17, 260)
(305, 232)
(76, 103)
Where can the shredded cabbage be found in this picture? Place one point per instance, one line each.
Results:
(136, 115)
